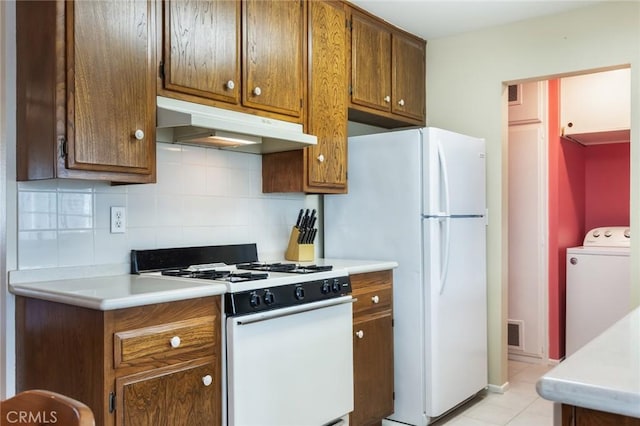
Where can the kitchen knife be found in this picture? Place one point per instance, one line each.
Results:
(298, 222)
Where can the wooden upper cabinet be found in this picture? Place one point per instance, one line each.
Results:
(111, 89)
(387, 74)
(408, 77)
(327, 103)
(321, 168)
(245, 55)
(202, 48)
(86, 90)
(273, 55)
(370, 63)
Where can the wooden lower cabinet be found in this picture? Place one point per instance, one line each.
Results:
(372, 348)
(144, 397)
(579, 416)
(150, 365)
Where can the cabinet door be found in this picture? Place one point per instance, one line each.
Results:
(201, 50)
(373, 369)
(370, 63)
(327, 161)
(188, 396)
(273, 55)
(111, 86)
(408, 76)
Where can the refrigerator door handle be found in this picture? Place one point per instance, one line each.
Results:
(446, 250)
(444, 177)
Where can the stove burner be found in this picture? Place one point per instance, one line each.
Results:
(292, 268)
(216, 275)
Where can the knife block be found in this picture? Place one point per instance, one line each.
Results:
(297, 251)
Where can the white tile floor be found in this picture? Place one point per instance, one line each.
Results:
(520, 405)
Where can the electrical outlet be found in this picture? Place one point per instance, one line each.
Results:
(118, 220)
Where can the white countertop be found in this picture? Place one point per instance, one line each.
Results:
(356, 266)
(125, 291)
(118, 291)
(602, 375)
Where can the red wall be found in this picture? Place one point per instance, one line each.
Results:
(588, 187)
(608, 179)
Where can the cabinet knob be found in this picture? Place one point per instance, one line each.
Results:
(401, 102)
(569, 124)
(207, 380)
(375, 299)
(321, 158)
(139, 134)
(573, 261)
(387, 99)
(175, 341)
(230, 85)
(257, 91)
(359, 334)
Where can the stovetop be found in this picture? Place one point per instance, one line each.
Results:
(235, 265)
(291, 268)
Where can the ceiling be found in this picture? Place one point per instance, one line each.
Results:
(432, 19)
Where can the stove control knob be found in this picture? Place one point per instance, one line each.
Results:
(254, 300)
(326, 288)
(268, 297)
(608, 233)
(336, 285)
(299, 293)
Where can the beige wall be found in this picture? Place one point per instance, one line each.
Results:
(465, 93)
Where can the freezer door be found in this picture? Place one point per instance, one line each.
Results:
(453, 173)
(456, 313)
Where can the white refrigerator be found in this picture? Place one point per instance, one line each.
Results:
(418, 197)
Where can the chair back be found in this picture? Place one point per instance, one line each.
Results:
(41, 407)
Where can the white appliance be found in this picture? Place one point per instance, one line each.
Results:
(287, 333)
(418, 197)
(598, 284)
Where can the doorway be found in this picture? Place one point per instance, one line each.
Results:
(555, 196)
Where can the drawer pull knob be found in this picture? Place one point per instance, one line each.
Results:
(230, 85)
(401, 102)
(387, 99)
(138, 134)
(321, 158)
(175, 341)
(207, 380)
(257, 91)
(375, 299)
(359, 334)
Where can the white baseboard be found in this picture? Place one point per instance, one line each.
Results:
(498, 388)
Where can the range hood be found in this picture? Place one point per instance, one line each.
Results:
(194, 124)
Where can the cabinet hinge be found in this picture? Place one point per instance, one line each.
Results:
(112, 402)
(64, 149)
(348, 25)
(350, 90)
(161, 70)
(393, 322)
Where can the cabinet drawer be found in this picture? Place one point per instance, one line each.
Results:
(165, 342)
(372, 299)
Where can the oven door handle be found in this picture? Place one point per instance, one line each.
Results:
(279, 313)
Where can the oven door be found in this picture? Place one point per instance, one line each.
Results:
(291, 366)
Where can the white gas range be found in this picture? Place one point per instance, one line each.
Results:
(287, 333)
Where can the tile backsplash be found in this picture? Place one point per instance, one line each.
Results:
(202, 197)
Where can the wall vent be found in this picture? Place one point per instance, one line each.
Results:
(515, 338)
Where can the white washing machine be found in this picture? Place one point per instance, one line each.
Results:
(598, 284)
